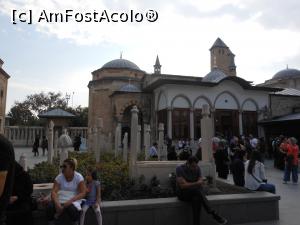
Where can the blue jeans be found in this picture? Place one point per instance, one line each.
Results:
(287, 173)
(267, 187)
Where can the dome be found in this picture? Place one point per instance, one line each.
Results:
(214, 76)
(120, 64)
(130, 88)
(287, 74)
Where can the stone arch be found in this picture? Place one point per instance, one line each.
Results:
(130, 103)
(161, 95)
(205, 99)
(252, 101)
(231, 95)
(181, 96)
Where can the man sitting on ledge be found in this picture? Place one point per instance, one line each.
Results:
(189, 189)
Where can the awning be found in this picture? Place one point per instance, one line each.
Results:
(290, 117)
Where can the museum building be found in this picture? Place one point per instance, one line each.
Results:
(237, 106)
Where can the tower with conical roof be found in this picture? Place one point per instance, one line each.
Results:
(222, 58)
(157, 66)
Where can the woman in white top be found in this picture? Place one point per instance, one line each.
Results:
(67, 194)
(255, 178)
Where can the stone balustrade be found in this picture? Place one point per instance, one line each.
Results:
(24, 136)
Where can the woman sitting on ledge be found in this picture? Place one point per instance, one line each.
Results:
(67, 194)
(255, 178)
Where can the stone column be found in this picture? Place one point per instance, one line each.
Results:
(90, 139)
(139, 139)
(125, 147)
(241, 122)
(99, 139)
(95, 141)
(147, 142)
(50, 142)
(64, 142)
(160, 141)
(109, 142)
(207, 133)
(133, 141)
(55, 143)
(192, 135)
(118, 139)
(169, 123)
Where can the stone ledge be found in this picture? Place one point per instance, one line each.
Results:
(237, 208)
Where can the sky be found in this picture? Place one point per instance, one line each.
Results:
(60, 56)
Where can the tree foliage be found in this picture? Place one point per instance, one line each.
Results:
(26, 113)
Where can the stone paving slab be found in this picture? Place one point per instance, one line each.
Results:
(31, 159)
(289, 205)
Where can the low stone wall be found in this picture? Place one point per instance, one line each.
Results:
(162, 169)
(237, 208)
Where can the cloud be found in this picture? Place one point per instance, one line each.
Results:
(264, 35)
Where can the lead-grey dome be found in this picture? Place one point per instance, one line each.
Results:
(120, 64)
(130, 88)
(287, 74)
(214, 76)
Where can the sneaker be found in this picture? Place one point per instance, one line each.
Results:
(284, 182)
(219, 219)
(295, 183)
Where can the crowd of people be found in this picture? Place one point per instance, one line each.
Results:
(72, 194)
(243, 157)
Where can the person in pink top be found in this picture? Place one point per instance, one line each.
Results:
(291, 161)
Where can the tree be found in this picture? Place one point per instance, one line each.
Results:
(81, 119)
(26, 112)
(42, 102)
(21, 115)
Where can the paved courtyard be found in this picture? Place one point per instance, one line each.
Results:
(289, 204)
(31, 160)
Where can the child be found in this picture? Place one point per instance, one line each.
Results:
(93, 197)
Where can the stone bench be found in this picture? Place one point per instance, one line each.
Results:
(237, 208)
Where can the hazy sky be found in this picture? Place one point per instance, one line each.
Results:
(263, 34)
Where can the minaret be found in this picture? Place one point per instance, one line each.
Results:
(222, 58)
(157, 66)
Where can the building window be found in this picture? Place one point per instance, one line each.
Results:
(227, 122)
(249, 123)
(162, 117)
(181, 123)
(197, 122)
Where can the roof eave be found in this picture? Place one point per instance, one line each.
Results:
(2, 71)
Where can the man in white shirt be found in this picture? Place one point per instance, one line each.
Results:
(153, 151)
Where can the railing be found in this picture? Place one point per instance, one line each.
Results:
(24, 136)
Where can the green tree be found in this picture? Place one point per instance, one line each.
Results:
(81, 119)
(43, 102)
(26, 112)
(21, 115)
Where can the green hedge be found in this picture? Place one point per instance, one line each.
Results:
(113, 174)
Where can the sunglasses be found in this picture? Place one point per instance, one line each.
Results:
(63, 166)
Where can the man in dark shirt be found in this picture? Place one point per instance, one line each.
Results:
(7, 160)
(189, 189)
